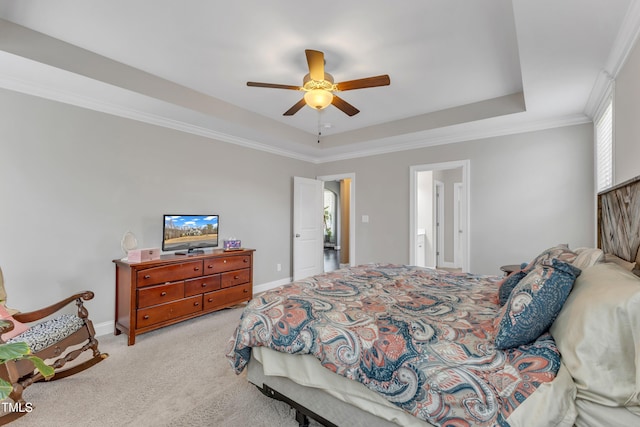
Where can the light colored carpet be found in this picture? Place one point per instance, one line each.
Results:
(175, 376)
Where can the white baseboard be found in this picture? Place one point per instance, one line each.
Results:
(447, 264)
(105, 328)
(270, 285)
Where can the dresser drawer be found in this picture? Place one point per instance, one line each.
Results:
(168, 311)
(227, 296)
(159, 294)
(201, 285)
(169, 273)
(233, 278)
(218, 265)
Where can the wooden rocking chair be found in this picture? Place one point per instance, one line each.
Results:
(57, 341)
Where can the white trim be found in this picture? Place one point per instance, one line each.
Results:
(599, 93)
(270, 285)
(625, 40)
(458, 205)
(413, 176)
(452, 135)
(622, 47)
(440, 222)
(67, 97)
(447, 264)
(104, 328)
(440, 136)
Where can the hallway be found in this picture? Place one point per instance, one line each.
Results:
(331, 260)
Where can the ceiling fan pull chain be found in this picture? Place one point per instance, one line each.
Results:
(319, 128)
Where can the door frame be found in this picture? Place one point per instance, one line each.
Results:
(352, 210)
(458, 206)
(413, 188)
(440, 222)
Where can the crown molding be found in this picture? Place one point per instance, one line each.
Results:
(622, 47)
(67, 97)
(482, 130)
(452, 134)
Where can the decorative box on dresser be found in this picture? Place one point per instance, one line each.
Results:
(158, 293)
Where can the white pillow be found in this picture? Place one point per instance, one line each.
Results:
(617, 260)
(598, 335)
(587, 257)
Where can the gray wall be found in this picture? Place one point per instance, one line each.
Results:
(626, 119)
(528, 192)
(73, 181)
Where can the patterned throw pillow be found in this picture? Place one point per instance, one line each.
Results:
(508, 283)
(559, 252)
(534, 303)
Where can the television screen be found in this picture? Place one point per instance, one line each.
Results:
(190, 232)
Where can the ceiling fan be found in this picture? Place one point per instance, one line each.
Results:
(319, 87)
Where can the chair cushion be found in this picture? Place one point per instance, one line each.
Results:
(18, 327)
(42, 335)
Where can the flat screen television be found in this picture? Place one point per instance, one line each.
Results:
(189, 233)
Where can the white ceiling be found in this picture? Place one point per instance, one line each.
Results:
(459, 69)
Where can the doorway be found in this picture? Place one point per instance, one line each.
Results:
(339, 221)
(439, 215)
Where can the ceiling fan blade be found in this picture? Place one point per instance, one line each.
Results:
(315, 60)
(273, 86)
(382, 80)
(291, 111)
(344, 106)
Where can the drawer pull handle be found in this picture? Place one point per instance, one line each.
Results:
(210, 266)
(236, 277)
(245, 260)
(146, 276)
(195, 304)
(210, 300)
(204, 285)
(162, 294)
(196, 268)
(245, 290)
(146, 317)
(224, 262)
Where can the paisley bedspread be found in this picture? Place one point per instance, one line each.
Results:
(421, 338)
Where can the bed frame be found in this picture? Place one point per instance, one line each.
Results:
(334, 412)
(619, 221)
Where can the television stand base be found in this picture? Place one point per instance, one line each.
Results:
(191, 252)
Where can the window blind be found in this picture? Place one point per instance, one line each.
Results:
(604, 147)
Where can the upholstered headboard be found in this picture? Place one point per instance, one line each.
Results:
(619, 221)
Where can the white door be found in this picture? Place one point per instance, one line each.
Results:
(307, 227)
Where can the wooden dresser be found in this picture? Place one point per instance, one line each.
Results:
(158, 293)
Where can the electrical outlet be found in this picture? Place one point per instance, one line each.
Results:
(278, 267)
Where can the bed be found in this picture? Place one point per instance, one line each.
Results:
(386, 344)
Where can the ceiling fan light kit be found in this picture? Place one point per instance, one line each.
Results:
(319, 87)
(318, 98)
